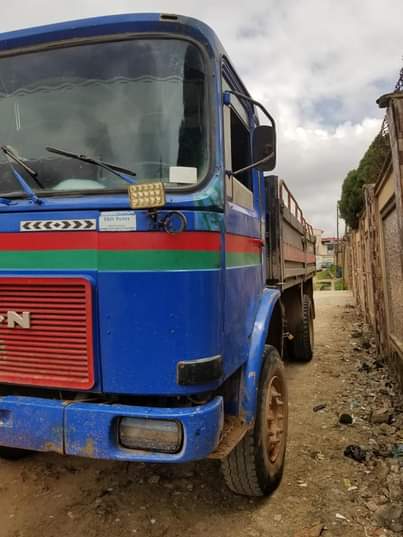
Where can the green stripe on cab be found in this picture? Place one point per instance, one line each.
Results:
(111, 260)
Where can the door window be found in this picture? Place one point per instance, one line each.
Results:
(238, 153)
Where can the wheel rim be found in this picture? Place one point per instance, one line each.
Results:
(276, 416)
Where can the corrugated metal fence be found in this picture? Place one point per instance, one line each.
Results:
(373, 254)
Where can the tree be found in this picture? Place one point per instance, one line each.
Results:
(351, 201)
(369, 168)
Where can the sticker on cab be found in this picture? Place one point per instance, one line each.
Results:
(183, 175)
(117, 221)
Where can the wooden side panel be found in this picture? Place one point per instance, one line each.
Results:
(273, 232)
(290, 239)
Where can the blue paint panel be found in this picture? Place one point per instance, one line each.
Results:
(110, 25)
(243, 290)
(254, 364)
(92, 430)
(241, 221)
(146, 322)
(196, 220)
(205, 198)
(149, 321)
(31, 423)
(243, 285)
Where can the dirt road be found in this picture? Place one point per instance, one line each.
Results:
(50, 496)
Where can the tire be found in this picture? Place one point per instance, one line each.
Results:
(13, 454)
(255, 466)
(304, 339)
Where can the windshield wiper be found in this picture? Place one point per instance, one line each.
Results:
(8, 151)
(116, 170)
(23, 183)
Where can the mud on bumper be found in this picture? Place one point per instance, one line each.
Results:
(91, 429)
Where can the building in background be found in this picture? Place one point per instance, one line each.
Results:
(326, 248)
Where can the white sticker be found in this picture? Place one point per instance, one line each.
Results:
(117, 221)
(183, 174)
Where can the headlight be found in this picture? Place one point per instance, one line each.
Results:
(150, 435)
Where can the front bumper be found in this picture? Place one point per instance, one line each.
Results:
(91, 429)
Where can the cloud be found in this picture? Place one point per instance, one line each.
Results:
(318, 65)
(316, 159)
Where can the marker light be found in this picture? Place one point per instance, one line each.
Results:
(146, 195)
(150, 435)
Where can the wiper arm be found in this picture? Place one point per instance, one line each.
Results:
(10, 153)
(116, 170)
(23, 184)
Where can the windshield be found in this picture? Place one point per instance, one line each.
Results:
(141, 104)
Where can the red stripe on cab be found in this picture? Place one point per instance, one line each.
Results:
(242, 244)
(117, 240)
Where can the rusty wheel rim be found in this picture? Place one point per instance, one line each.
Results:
(276, 416)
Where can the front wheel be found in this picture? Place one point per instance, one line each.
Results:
(255, 466)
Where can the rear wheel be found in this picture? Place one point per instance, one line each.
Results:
(304, 338)
(13, 454)
(255, 466)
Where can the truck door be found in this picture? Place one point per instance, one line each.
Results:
(243, 230)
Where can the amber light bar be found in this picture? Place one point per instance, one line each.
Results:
(147, 195)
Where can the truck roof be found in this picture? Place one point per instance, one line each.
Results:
(110, 25)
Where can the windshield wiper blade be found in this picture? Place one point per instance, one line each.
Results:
(116, 170)
(7, 150)
(23, 183)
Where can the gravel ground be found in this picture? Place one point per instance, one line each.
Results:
(323, 492)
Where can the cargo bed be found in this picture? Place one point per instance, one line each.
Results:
(291, 241)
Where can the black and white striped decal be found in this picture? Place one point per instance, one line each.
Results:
(58, 225)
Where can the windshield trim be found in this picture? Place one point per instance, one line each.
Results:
(17, 194)
(76, 42)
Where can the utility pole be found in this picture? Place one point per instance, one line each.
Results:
(337, 234)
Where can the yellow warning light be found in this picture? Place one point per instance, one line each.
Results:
(146, 195)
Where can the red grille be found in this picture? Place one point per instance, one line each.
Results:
(56, 350)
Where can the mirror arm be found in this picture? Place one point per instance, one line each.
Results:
(250, 166)
(256, 103)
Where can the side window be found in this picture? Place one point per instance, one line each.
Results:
(240, 149)
(238, 153)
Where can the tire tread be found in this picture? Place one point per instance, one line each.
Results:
(303, 351)
(241, 468)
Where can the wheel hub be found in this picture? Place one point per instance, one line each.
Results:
(276, 414)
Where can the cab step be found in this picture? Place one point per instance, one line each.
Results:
(233, 431)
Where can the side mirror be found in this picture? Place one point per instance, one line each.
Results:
(264, 146)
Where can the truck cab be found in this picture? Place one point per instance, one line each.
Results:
(140, 316)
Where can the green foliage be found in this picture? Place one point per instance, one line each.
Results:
(327, 274)
(369, 168)
(340, 285)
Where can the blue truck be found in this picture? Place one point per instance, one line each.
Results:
(153, 277)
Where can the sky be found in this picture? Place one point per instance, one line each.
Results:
(317, 65)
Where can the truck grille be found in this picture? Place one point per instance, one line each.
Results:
(46, 336)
